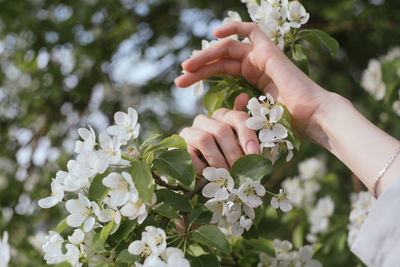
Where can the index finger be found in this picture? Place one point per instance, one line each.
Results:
(248, 29)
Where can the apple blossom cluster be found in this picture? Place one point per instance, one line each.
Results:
(361, 204)
(377, 83)
(153, 250)
(232, 208)
(301, 190)
(53, 248)
(277, 17)
(91, 161)
(319, 218)
(4, 250)
(121, 200)
(371, 80)
(265, 117)
(285, 256)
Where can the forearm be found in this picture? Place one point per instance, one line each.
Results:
(359, 144)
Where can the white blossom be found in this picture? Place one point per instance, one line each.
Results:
(76, 237)
(301, 192)
(82, 212)
(76, 178)
(218, 208)
(285, 256)
(371, 79)
(396, 107)
(72, 255)
(122, 189)
(37, 240)
(4, 250)
(281, 202)
(361, 204)
(250, 193)
(312, 168)
(319, 216)
(153, 243)
(174, 257)
(136, 209)
(220, 183)
(126, 126)
(89, 140)
(297, 14)
(57, 194)
(25, 205)
(110, 148)
(52, 248)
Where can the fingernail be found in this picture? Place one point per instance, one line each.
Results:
(252, 148)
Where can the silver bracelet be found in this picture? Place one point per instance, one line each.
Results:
(383, 171)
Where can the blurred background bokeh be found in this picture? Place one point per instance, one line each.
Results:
(67, 64)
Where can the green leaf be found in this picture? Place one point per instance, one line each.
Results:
(168, 211)
(299, 57)
(207, 260)
(97, 244)
(261, 244)
(176, 164)
(286, 120)
(97, 191)
(125, 257)
(298, 236)
(294, 138)
(143, 179)
(171, 141)
(123, 232)
(315, 36)
(253, 166)
(176, 200)
(105, 232)
(149, 140)
(200, 214)
(61, 226)
(210, 235)
(214, 98)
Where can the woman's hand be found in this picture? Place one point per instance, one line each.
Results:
(263, 65)
(212, 140)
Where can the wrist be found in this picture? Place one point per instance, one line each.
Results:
(327, 111)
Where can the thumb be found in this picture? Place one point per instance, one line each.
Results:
(241, 102)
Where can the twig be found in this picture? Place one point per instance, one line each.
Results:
(159, 181)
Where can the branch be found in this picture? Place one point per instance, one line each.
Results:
(160, 182)
(197, 188)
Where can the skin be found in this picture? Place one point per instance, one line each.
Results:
(323, 117)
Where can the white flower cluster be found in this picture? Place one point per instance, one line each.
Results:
(121, 200)
(372, 77)
(281, 201)
(152, 248)
(265, 117)
(301, 190)
(361, 204)
(232, 208)
(285, 257)
(4, 250)
(75, 249)
(91, 161)
(319, 218)
(276, 17)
